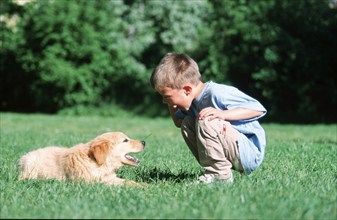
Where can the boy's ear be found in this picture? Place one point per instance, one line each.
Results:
(100, 151)
(187, 89)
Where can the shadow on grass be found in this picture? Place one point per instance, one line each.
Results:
(157, 175)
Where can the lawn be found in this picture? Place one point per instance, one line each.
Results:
(297, 180)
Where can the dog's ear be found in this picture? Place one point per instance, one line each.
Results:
(100, 151)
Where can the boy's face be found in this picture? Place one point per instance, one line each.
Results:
(177, 98)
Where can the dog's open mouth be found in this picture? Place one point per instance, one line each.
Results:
(132, 159)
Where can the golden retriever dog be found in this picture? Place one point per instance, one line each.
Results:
(95, 161)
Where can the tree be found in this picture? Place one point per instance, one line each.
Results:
(286, 63)
(59, 54)
(74, 52)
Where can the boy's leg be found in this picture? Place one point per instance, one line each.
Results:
(217, 148)
(189, 135)
(229, 141)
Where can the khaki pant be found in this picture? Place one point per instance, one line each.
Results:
(214, 145)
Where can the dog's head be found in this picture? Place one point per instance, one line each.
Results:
(115, 146)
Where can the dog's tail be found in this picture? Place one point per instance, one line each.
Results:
(26, 167)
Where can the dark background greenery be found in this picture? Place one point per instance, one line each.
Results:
(67, 55)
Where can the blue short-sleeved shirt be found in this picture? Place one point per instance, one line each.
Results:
(252, 140)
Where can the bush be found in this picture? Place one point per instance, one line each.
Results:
(61, 54)
(76, 51)
(288, 64)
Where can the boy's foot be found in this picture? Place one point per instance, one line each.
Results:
(210, 178)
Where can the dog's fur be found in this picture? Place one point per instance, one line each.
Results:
(95, 161)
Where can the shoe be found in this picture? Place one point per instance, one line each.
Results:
(211, 178)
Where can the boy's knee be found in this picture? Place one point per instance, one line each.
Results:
(209, 128)
(206, 124)
(216, 124)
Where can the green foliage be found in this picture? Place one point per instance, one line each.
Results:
(76, 50)
(278, 60)
(179, 24)
(297, 180)
(57, 55)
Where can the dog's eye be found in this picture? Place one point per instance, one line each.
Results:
(125, 140)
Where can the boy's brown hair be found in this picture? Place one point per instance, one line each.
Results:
(174, 70)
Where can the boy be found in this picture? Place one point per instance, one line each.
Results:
(218, 122)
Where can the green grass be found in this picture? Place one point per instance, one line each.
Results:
(297, 179)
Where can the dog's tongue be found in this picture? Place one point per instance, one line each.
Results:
(134, 160)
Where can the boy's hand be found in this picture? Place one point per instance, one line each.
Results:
(177, 122)
(211, 113)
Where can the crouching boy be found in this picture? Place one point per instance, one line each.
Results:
(218, 122)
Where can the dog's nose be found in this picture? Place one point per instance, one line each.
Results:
(143, 143)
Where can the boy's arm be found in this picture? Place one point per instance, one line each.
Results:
(177, 121)
(228, 115)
